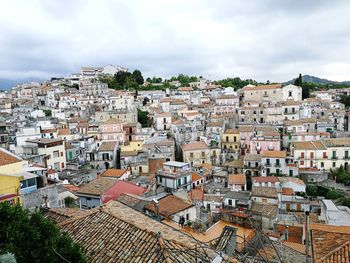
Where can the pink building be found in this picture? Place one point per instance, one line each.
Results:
(112, 130)
(245, 133)
(259, 144)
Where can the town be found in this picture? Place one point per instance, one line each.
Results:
(181, 170)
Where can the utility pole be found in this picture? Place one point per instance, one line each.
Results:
(307, 237)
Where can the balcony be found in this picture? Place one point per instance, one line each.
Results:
(277, 165)
(174, 174)
(334, 157)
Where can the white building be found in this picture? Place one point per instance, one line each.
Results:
(334, 215)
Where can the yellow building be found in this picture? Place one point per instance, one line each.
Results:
(132, 146)
(11, 168)
(10, 186)
(230, 140)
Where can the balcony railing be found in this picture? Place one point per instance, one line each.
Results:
(174, 173)
(334, 157)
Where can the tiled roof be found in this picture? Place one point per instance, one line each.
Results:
(265, 179)
(263, 87)
(292, 180)
(121, 187)
(7, 158)
(106, 238)
(331, 246)
(63, 132)
(114, 173)
(237, 179)
(273, 154)
(169, 205)
(231, 131)
(107, 146)
(196, 177)
(267, 210)
(111, 121)
(287, 191)
(194, 146)
(98, 186)
(269, 192)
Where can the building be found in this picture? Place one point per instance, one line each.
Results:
(104, 189)
(237, 182)
(334, 215)
(53, 150)
(199, 152)
(274, 162)
(175, 176)
(172, 207)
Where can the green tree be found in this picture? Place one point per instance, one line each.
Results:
(137, 76)
(47, 113)
(142, 117)
(299, 80)
(345, 100)
(346, 201)
(33, 238)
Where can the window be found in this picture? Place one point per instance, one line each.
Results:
(346, 154)
(160, 179)
(289, 94)
(191, 155)
(230, 202)
(277, 162)
(234, 139)
(227, 139)
(334, 154)
(311, 155)
(333, 164)
(178, 182)
(187, 217)
(264, 200)
(322, 164)
(324, 155)
(267, 161)
(302, 155)
(290, 172)
(55, 154)
(277, 171)
(61, 154)
(301, 162)
(203, 154)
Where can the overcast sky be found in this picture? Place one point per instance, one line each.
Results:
(263, 39)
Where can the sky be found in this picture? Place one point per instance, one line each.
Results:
(260, 39)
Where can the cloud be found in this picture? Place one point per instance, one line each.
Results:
(263, 40)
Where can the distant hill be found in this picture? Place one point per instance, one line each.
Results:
(7, 84)
(317, 80)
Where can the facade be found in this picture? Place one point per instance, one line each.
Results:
(175, 176)
(53, 150)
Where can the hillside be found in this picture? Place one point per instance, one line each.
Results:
(320, 81)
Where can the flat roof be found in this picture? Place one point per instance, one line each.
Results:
(175, 163)
(330, 205)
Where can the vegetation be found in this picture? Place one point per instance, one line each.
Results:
(341, 175)
(33, 238)
(346, 201)
(345, 100)
(142, 117)
(317, 190)
(236, 82)
(48, 113)
(184, 79)
(124, 80)
(69, 202)
(305, 87)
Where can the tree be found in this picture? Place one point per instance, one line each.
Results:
(33, 238)
(142, 117)
(346, 201)
(299, 80)
(345, 100)
(47, 113)
(137, 76)
(145, 101)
